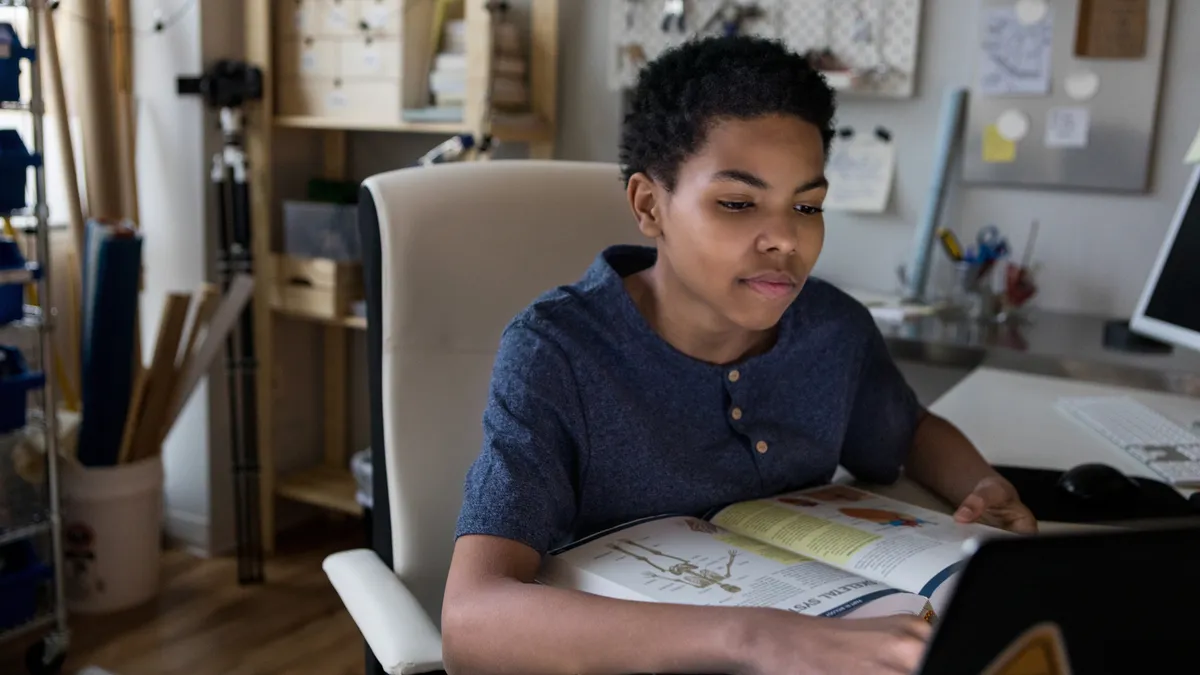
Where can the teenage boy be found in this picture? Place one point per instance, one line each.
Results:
(706, 370)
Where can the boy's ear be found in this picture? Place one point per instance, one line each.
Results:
(644, 199)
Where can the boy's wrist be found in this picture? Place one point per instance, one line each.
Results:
(749, 635)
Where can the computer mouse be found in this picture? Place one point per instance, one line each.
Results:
(1097, 483)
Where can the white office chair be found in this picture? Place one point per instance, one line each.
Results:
(462, 249)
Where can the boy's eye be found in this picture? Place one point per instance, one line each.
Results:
(735, 206)
(806, 210)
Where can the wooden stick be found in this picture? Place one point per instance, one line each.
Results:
(122, 45)
(206, 299)
(127, 142)
(62, 120)
(56, 89)
(94, 79)
(122, 63)
(222, 324)
(137, 403)
(159, 378)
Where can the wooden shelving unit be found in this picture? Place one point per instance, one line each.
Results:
(325, 486)
(329, 484)
(514, 131)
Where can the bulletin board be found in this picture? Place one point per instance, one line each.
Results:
(877, 39)
(1065, 93)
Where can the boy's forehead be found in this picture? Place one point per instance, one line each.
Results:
(781, 146)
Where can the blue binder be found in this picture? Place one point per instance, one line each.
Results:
(112, 264)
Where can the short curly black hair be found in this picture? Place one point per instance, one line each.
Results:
(687, 88)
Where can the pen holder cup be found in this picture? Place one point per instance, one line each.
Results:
(972, 292)
(112, 534)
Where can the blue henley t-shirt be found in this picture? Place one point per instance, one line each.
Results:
(594, 420)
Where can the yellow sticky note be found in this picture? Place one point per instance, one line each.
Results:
(996, 148)
(1193, 155)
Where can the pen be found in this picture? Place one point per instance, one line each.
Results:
(950, 244)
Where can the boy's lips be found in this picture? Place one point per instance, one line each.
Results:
(773, 285)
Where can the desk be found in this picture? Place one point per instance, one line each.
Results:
(1011, 418)
(1046, 343)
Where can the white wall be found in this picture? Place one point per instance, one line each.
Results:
(176, 137)
(1103, 274)
(1096, 250)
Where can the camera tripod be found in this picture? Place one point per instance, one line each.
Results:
(226, 87)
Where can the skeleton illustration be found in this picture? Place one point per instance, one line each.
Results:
(683, 571)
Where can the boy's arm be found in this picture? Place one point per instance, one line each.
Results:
(495, 621)
(945, 461)
(890, 430)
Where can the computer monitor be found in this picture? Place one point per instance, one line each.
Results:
(1169, 309)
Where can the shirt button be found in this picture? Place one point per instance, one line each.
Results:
(734, 376)
(736, 413)
(761, 447)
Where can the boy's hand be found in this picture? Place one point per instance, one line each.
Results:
(791, 644)
(995, 502)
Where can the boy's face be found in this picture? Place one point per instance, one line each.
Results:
(743, 227)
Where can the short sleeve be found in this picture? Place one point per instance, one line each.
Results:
(522, 485)
(883, 417)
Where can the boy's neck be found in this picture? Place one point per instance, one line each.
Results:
(687, 323)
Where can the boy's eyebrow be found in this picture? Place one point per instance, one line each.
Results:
(819, 182)
(739, 176)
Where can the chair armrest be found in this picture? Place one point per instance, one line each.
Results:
(400, 633)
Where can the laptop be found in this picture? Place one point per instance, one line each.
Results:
(1119, 602)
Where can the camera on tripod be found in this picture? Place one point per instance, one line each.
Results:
(227, 84)
(226, 87)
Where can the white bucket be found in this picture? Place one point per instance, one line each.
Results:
(112, 535)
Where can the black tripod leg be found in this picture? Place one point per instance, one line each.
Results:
(229, 251)
(249, 401)
(247, 369)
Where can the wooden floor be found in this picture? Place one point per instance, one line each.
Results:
(205, 623)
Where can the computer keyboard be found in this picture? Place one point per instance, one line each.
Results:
(1166, 448)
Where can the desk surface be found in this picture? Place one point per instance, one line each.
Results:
(1011, 418)
(1047, 343)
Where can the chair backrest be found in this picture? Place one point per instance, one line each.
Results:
(463, 248)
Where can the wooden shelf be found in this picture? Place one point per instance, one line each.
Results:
(322, 486)
(351, 322)
(354, 322)
(331, 486)
(504, 130)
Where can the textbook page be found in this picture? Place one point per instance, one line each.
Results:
(691, 561)
(902, 545)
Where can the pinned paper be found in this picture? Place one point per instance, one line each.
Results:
(337, 100)
(996, 148)
(371, 58)
(308, 61)
(338, 17)
(1193, 155)
(1013, 125)
(860, 172)
(1014, 56)
(1082, 86)
(1068, 127)
(377, 16)
(1030, 12)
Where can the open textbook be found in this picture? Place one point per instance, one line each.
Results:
(832, 551)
